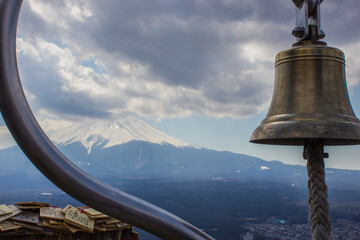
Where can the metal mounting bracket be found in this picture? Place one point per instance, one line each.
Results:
(308, 24)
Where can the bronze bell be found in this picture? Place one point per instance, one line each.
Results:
(310, 99)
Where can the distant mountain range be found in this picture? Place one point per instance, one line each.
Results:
(133, 149)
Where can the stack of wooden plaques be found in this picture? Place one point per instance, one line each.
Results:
(39, 221)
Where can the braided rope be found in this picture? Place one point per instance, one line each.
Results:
(319, 207)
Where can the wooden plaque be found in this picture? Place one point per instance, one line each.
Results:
(75, 217)
(7, 226)
(39, 204)
(14, 211)
(53, 213)
(92, 212)
(4, 210)
(28, 217)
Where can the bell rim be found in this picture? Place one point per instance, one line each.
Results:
(333, 133)
(312, 117)
(301, 141)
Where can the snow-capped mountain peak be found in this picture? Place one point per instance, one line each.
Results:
(108, 133)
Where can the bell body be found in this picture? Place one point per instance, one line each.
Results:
(310, 100)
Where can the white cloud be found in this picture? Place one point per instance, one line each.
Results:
(60, 13)
(256, 52)
(25, 48)
(48, 13)
(352, 53)
(6, 139)
(78, 12)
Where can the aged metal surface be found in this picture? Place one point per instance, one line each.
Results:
(310, 99)
(55, 166)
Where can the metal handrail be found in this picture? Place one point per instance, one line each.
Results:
(55, 166)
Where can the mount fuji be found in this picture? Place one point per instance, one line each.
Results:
(107, 134)
(132, 149)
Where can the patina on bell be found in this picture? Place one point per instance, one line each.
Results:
(310, 99)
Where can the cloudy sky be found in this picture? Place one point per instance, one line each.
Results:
(199, 70)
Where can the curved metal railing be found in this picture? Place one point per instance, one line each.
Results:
(55, 166)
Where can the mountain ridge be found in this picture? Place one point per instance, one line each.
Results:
(158, 155)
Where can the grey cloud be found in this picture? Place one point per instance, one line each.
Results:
(176, 55)
(339, 21)
(182, 43)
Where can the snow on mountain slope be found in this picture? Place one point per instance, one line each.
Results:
(108, 133)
